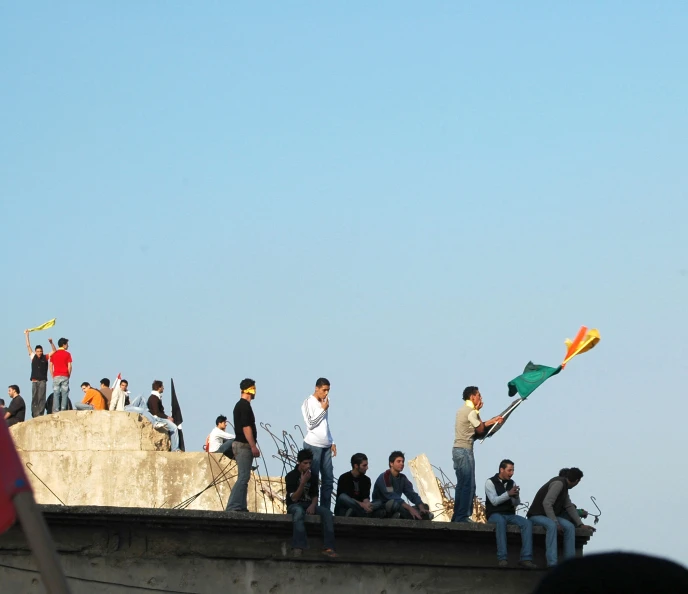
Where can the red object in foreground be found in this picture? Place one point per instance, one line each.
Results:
(12, 478)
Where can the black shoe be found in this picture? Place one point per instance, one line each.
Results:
(527, 564)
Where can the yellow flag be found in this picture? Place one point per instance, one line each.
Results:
(586, 342)
(45, 326)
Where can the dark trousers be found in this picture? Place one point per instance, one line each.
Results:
(37, 398)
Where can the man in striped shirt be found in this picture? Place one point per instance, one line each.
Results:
(318, 439)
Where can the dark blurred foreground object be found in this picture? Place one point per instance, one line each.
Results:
(616, 573)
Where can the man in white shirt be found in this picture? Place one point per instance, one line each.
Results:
(318, 439)
(219, 441)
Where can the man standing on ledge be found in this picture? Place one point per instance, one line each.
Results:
(61, 369)
(548, 508)
(468, 426)
(245, 447)
(39, 375)
(315, 411)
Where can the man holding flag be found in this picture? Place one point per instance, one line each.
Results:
(39, 375)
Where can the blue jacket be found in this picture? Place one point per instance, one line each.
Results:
(383, 490)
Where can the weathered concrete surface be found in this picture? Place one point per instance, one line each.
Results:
(110, 458)
(119, 550)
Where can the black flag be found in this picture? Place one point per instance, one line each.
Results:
(177, 416)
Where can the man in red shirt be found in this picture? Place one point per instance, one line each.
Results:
(61, 370)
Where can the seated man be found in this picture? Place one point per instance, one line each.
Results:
(16, 411)
(389, 488)
(302, 499)
(353, 491)
(161, 420)
(219, 441)
(547, 510)
(93, 399)
(501, 500)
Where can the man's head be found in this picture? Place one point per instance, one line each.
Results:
(506, 469)
(124, 384)
(396, 460)
(39, 350)
(359, 463)
(105, 383)
(85, 386)
(158, 387)
(248, 387)
(13, 391)
(63, 343)
(322, 388)
(221, 422)
(304, 459)
(2, 403)
(572, 475)
(472, 393)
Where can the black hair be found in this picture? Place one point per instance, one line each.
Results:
(396, 454)
(322, 381)
(15, 387)
(304, 455)
(563, 472)
(470, 391)
(504, 463)
(62, 342)
(357, 459)
(106, 382)
(220, 419)
(574, 474)
(38, 346)
(2, 402)
(157, 384)
(85, 385)
(123, 381)
(245, 384)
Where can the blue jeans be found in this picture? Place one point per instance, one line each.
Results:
(172, 429)
(60, 393)
(500, 521)
(464, 466)
(300, 541)
(322, 468)
(82, 406)
(239, 495)
(224, 448)
(551, 537)
(345, 502)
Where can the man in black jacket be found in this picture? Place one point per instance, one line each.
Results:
(501, 500)
(548, 508)
(353, 491)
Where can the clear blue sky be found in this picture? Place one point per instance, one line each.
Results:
(405, 199)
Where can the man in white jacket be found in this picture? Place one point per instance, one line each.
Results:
(315, 411)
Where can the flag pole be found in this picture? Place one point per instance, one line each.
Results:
(41, 543)
(507, 412)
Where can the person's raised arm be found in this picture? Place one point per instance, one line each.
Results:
(52, 345)
(296, 495)
(28, 343)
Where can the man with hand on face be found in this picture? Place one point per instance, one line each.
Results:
(501, 499)
(302, 499)
(468, 426)
(315, 411)
(548, 508)
(389, 488)
(244, 446)
(353, 491)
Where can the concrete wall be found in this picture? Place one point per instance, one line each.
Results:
(119, 550)
(113, 458)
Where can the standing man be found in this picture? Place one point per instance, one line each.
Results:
(548, 508)
(61, 370)
(389, 488)
(501, 500)
(302, 499)
(39, 375)
(156, 408)
(353, 490)
(219, 441)
(16, 411)
(468, 426)
(315, 411)
(245, 447)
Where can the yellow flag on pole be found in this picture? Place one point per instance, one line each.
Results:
(48, 324)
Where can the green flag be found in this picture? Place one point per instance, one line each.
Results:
(531, 379)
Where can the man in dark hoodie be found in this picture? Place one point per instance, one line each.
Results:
(391, 485)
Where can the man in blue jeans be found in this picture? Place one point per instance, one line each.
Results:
(468, 426)
(245, 447)
(501, 499)
(548, 508)
(318, 439)
(302, 500)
